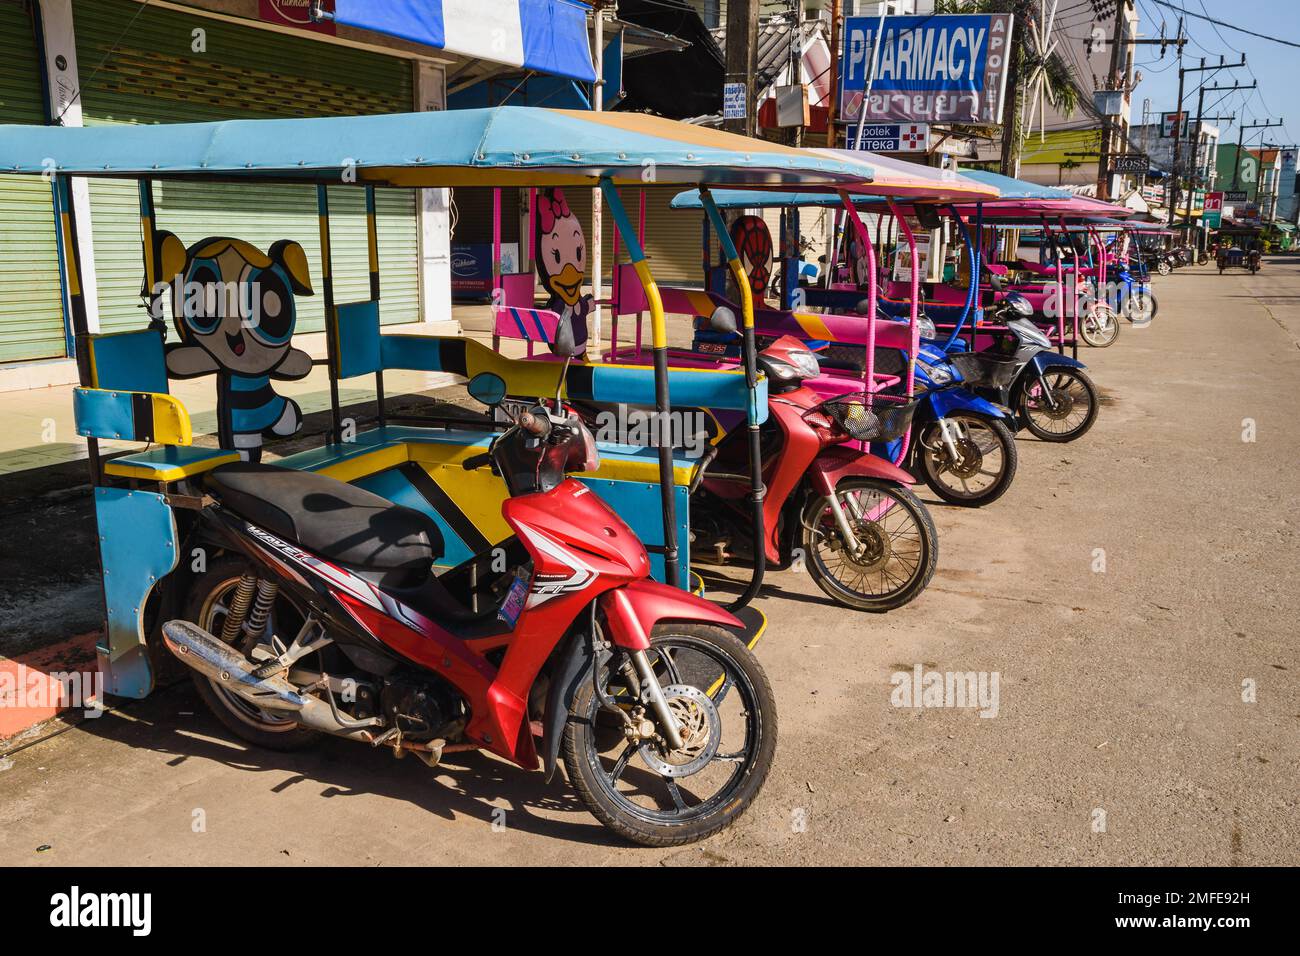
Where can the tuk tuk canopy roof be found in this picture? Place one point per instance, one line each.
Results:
(1010, 188)
(500, 146)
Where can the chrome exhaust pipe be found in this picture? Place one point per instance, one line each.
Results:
(230, 670)
(227, 668)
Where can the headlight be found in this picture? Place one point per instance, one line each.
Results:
(805, 362)
(939, 374)
(926, 328)
(1019, 304)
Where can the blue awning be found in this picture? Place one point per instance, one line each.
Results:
(1011, 189)
(549, 36)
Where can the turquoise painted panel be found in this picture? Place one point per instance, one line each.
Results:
(637, 503)
(359, 349)
(139, 546)
(130, 361)
(420, 353)
(101, 414)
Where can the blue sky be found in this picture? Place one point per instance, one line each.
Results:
(1275, 66)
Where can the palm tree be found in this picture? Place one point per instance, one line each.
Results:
(1035, 65)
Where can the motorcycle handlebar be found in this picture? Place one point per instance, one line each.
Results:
(537, 426)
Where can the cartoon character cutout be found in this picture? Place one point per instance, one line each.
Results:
(753, 242)
(562, 264)
(859, 262)
(233, 307)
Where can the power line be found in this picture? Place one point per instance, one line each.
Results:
(1221, 23)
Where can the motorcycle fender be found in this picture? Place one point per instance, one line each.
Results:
(572, 668)
(837, 462)
(1046, 360)
(950, 400)
(632, 611)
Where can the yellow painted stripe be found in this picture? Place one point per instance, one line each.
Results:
(69, 258)
(813, 325)
(171, 422)
(122, 469)
(659, 329)
(381, 459)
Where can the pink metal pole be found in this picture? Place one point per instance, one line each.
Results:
(869, 370)
(913, 314)
(1074, 305)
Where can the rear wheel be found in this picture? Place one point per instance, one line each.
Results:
(1164, 268)
(895, 545)
(726, 713)
(209, 602)
(1065, 411)
(1099, 327)
(986, 459)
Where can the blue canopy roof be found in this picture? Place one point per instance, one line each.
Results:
(1015, 188)
(549, 36)
(503, 145)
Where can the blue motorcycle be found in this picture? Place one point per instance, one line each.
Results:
(1050, 394)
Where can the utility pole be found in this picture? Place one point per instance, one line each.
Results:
(1241, 138)
(1178, 132)
(1114, 81)
(742, 58)
(1120, 79)
(1194, 134)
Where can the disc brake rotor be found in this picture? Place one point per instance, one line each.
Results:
(701, 730)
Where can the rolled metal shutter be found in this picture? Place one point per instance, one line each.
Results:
(154, 75)
(31, 301)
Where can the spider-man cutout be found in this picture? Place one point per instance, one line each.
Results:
(753, 243)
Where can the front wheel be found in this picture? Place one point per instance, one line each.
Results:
(1141, 307)
(985, 464)
(1059, 407)
(1100, 327)
(726, 714)
(894, 551)
(1164, 268)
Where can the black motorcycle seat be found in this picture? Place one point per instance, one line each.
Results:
(331, 518)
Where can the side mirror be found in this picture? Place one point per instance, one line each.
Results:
(723, 319)
(995, 282)
(564, 345)
(488, 388)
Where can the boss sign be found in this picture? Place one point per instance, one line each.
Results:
(933, 69)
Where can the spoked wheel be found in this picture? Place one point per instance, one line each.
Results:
(894, 551)
(208, 605)
(1141, 307)
(1065, 411)
(1100, 327)
(726, 715)
(1164, 268)
(985, 464)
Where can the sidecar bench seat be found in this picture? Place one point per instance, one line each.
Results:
(169, 463)
(333, 519)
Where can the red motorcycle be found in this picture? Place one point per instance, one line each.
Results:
(846, 514)
(323, 615)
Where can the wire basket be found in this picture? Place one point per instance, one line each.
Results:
(979, 368)
(881, 422)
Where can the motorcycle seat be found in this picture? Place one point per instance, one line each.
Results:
(331, 518)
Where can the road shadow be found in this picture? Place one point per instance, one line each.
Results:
(174, 721)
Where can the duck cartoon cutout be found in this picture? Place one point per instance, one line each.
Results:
(562, 264)
(233, 308)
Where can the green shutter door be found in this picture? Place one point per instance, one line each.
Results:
(154, 76)
(31, 304)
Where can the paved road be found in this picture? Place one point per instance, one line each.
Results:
(1121, 691)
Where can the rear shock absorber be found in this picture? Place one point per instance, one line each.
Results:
(261, 612)
(239, 603)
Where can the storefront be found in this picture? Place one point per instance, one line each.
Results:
(31, 309)
(155, 75)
